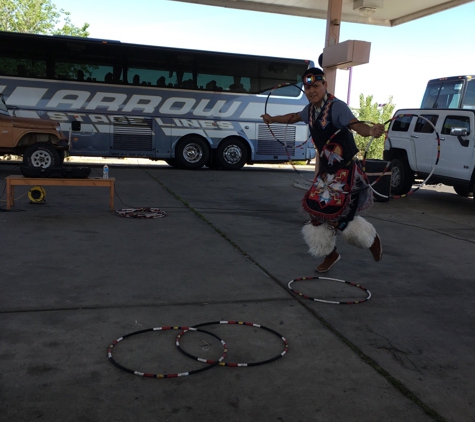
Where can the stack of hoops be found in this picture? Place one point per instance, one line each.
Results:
(210, 363)
(141, 213)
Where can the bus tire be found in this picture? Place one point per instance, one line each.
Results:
(231, 154)
(212, 162)
(173, 163)
(41, 155)
(192, 152)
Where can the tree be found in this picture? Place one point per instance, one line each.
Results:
(374, 113)
(38, 17)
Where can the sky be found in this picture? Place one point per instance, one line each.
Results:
(402, 58)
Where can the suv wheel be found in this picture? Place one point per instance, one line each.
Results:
(402, 177)
(463, 190)
(41, 155)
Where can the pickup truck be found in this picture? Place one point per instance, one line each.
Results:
(40, 142)
(413, 142)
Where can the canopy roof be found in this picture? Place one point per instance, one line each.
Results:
(372, 12)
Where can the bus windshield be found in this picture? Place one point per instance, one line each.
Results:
(146, 101)
(450, 92)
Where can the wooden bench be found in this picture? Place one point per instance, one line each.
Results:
(13, 181)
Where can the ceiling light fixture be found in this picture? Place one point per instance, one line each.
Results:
(367, 11)
(367, 8)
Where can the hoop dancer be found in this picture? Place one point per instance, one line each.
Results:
(339, 191)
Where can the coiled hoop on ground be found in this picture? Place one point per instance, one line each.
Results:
(334, 302)
(249, 324)
(181, 374)
(141, 213)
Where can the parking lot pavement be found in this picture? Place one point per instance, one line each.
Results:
(76, 277)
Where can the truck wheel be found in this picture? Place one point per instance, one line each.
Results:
(192, 152)
(402, 177)
(61, 155)
(463, 190)
(231, 154)
(41, 155)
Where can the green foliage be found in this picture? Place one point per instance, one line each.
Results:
(374, 113)
(37, 17)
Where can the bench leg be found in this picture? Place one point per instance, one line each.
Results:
(111, 201)
(10, 193)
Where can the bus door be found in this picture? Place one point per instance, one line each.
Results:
(457, 144)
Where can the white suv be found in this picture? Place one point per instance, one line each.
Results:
(413, 143)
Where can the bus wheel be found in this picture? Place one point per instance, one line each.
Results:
(41, 155)
(173, 163)
(192, 152)
(231, 154)
(212, 162)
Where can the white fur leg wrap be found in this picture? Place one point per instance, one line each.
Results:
(321, 239)
(359, 233)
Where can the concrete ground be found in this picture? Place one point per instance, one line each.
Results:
(76, 276)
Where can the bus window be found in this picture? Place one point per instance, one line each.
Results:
(239, 84)
(275, 74)
(91, 72)
(141, 76)
(31, 68)
(148, 67)
(215, 74)
(286, 91)
(214, 82)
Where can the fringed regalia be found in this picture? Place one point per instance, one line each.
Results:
(339, 190)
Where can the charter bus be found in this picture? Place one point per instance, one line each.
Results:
(450, 92)
(188, 107)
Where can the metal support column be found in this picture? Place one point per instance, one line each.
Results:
(332, 37)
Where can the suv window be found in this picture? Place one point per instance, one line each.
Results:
(455, 121)
(423, 126)
(401, 124)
